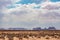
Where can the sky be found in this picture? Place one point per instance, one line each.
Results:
(29, 13)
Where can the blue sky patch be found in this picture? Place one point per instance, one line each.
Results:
(29, 1)
(55, 0)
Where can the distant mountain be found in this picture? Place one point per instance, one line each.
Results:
(17, 29)
(51, 28)
(2, 29)
(39, 28)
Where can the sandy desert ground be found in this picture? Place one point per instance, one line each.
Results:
(30, 35)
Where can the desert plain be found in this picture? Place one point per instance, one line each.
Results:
(29, 34)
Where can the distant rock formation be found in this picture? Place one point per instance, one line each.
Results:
(17, 29)
(49, 28)
(2, 29)
(37, 28)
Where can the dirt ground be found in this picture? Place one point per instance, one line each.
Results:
(30, 35)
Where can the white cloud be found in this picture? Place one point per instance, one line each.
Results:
(14, 1)
(26, 15)
(50, 5)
